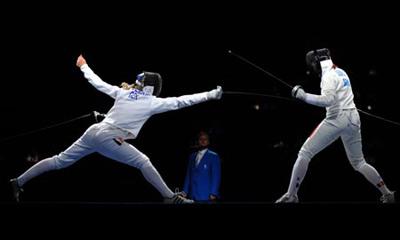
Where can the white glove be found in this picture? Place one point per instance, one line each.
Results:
(215, 94)
(299, 93)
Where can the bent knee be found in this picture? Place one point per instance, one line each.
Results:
(142, 162)
(306, 154)
(357, 163)
(303, 157)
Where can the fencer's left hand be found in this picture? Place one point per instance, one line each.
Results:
(216, 93)
(80, 61)
(298, 92)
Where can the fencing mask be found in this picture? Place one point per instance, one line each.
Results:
(314, 57)
(150, 82)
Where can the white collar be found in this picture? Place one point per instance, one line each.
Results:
(326, 65)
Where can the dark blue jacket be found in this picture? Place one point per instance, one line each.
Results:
(203, 180)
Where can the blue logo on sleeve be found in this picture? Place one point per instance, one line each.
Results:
(346, 82)
(341, 73)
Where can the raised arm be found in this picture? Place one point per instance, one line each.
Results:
(96, 80)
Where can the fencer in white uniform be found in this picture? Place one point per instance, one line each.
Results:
(342, 120)
(134, 105)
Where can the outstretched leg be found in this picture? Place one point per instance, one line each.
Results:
(321, 137)
(76, 151)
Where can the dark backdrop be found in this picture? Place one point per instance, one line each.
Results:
(188, 45)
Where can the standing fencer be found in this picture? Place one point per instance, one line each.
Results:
(342, 120)
(134, 105)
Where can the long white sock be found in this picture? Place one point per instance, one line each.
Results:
(153, 177)
(298, 173)
(37, 169)
(373, 177)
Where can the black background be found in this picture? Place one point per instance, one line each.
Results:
(188, 44)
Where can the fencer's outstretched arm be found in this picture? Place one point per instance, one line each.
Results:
(96, 80)
(173, 103)
(327, 97)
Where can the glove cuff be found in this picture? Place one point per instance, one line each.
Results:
(295, 90)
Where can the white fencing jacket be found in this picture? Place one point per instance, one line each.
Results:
(133, 107)
(336, 92)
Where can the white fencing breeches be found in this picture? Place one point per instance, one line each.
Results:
(345, 125)
(100, 138)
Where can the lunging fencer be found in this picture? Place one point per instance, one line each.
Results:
(342, 120)
(134, 105)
